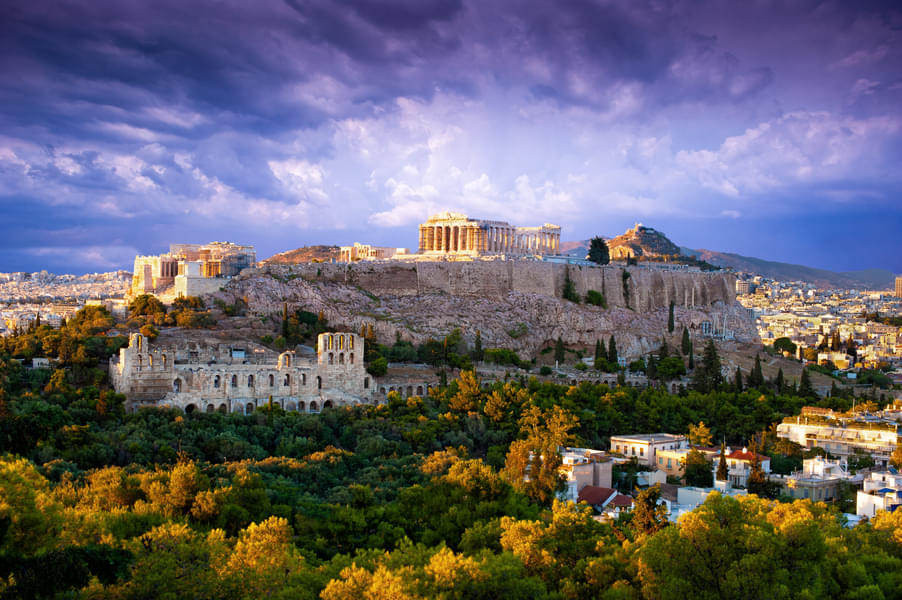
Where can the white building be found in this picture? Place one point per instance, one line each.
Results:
(645, 446)
(882, 491)
(841, 435)
(584, 467)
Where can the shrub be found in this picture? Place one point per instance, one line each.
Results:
(596, 298)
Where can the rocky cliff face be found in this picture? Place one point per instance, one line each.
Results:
(514, 304)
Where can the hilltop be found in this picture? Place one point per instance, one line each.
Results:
(303, 254)
(641, 241)
(647, 243)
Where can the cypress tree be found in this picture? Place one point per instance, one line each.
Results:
(612, 352)
(599, 350)
(691, 358)
(598, 251)
(806, 390)
(478, 353)
(756, 377)
(559, 352)
(737, 381)
(651, 367)
(670, 318)
(722, 473)
(686, 342)
(664, 352)
(780, 381)
(711, 365)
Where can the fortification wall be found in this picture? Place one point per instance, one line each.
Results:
(640, 289)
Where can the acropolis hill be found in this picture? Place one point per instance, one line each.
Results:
(514, 304)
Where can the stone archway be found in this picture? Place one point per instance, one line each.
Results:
(249, 408)
(313, 406)
(210, 408)
(302, 407)
(419, 390)
(190, 408)
(223, 408)
(327, 404)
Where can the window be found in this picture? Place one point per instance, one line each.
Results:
(366, 382)
(287, 379)
(303, 379)
(661, 461)
(250, 381)
(331, 358)
(234, 381)
(272, 380)
(216, 381)
(641, 451)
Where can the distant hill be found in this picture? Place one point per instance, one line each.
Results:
(641, 241)
(304, 254)
(879, 279)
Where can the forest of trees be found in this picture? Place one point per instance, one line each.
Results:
(416, 498)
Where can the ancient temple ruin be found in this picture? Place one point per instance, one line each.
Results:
(190, 269)
(451, 233)
(230, 378)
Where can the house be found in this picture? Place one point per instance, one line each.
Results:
(583, 467)
(819, 480)
(644, 447)
(739, 466)
(673, 462)
(882, 491)
(606, 500)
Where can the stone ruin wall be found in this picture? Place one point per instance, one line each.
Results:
(423, 300)
(649, 289)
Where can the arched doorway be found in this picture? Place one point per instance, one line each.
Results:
(249, 408)
(313, 406)
(177, 386)
(190, 409)
(210, 408)
(223, 408)
(327, 404)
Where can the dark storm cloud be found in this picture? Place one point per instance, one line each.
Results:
(155, 117)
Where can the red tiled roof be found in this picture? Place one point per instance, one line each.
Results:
(593, 494)
(621, 500)
(740, 455)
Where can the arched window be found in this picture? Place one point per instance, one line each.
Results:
(319, 382)
(272, 380)
(216, 381)
(140, 342)
(234, 381)
(150, 361)
(287, 379)
(351, 358)
(303, 379)
(177, 386)
(140, 362)
(330, 342)
(250, 381)
(331, 358)
(419, 390)
(341, 342)
(341, 358)
(164, 362)
(366, 382)
(350, 342)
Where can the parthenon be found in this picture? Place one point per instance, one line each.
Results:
(454, 233)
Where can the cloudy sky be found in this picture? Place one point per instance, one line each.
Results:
(772, 129)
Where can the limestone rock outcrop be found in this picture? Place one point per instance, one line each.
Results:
(513, 304)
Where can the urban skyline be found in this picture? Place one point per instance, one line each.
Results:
(766, 130)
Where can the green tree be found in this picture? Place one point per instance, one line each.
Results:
(697, 470)
(599, 350)
(612, 351)
(560, 352)
(569, 291)
(737, 379)
(649, 516)
(478, 353)
(670, 324)
(598, 251)
(145, 305)
(686, 343)
(784, 344)
(806, 390)
(722, 472)
(756, 377)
